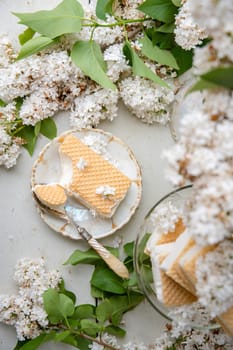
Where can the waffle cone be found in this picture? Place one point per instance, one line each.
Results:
(51, 195)
(98, 172)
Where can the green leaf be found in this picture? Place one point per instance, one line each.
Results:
(104, 311)
(184, 58)
(90, 327)
(63, 19)
(2, 103)
(106, 280)
(166, 28)
(58, 306)
(36, 342)
(83, 344)
(26, 35)
(200, 85)
(37, 128)
(154, 53)
(133, 281)
(123, 303)
(84, 311)
(27, 133)
(115, 330)
(34, 45)
(48, 128)
(68, 293)
(81, 257)
(128, 249)
(96, 292)
(176, 2)
(222, 76)
(88, 57)
(18, 104)
(162, 10)
(62, 336)
(103, 7)
(66, 337)
(138, 66)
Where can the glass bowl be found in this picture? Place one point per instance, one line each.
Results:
(142, 263)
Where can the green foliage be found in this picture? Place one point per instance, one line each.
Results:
(80, 257)
(184, 59)
(221, 76)
(35, 343)
(166, 28)
(48, 128)
(79, 325)
(2, 103)
(26, 35)
(35, 45)
(30, 133)
(57, 305)
(88, 57)
(162, 10)
(106, 280)
(84, 311)
(138, 66)
(104, 7)
(63, 19)
(154, 53)
(202, 84)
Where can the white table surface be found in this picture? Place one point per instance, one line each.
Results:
(24, 234)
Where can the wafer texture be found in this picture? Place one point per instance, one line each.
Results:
(97, 172)
(175, 273)
(226, 321)
(51, 194)
(173, 294)
(189, 267)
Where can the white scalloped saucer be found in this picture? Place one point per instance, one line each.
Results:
(47, 169)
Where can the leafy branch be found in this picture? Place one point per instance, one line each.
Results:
(68, 17)
(28, 134)
(81, 325)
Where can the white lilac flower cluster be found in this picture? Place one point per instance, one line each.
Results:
(10, 148)
(215, 289)
(50, 81)
(201, 339)
(216, 19)
(188, 34)
(165, 217)
(25, 310)
(203, 155)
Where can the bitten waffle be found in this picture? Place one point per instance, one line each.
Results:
(90, 172)
(51, 194)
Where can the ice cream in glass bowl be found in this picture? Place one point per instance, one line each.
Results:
(165, 258)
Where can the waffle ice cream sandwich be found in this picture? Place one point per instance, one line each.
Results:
(168, 291)
(51, 194)
(187, 262)
(183, 243)
(95, 182)
(158, 238)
